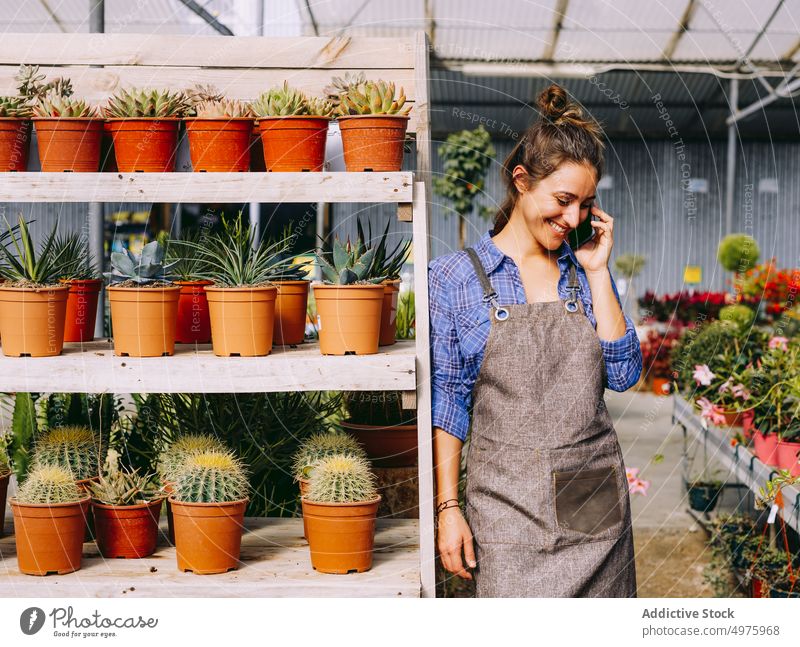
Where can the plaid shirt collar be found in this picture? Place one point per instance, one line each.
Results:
(492, 257)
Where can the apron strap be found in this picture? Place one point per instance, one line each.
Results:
(489, 294)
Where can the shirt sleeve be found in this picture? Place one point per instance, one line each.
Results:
(623, 356)
(449, 407)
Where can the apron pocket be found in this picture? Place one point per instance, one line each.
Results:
(588, 501)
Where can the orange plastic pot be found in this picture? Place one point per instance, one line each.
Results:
(4, 478)
(349, 318)
(766, 447)
(391, 292)
(242, 320)
(786, 456)
(341, 536)
(304, 483)
(219, 145)
(49, 536)
(733, 418)
(126, 531)
(69, 144)
(15, 140)
(193, 323)
(208, 536)
(394, 446)
(293, 143)
(81, 309)
(144, 320)
(661, 385)
(373, 142)
(147, 145)
(32, 320)
(291, 306)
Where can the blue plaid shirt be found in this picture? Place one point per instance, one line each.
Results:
(459, 321)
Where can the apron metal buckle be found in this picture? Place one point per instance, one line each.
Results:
(571, 303)
(500, 313)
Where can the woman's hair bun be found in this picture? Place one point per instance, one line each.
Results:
(556, 107)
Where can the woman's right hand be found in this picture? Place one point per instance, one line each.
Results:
(453, 536)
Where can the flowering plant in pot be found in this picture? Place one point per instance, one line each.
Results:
(208, 500)
(656, 349)
(219, 131)
(5, 476)
(349, 300)
(373, 120)
(242, 298)
(32, 303)
(144, 126)
(80, 274)
(126, 507)
(293, 128)
(193, 324)
(144, 302)
(49, 520)
(340, 510)
(378, 421)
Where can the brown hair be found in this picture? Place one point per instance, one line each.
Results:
(561, 134)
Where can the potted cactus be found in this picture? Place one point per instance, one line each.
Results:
(373, 121)
(144, 302)
(126, 507)
(193, 324)
(49, 520)
(80, 275)
(144, 126)
(349, 300)
(209, 498)
(293, 128)
(219, 131)
(73, 447)
(242, 300)
(5, 476)
(340, 509)
(32, 303)
(378, 421)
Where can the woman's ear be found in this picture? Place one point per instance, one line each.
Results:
(521, 178)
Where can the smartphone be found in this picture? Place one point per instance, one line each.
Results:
(583, 233)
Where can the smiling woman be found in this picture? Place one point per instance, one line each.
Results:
(525, 335)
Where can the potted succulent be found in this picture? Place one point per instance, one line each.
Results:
(5, 477)
(49, 520)
(291, 302)
(373, 121)
(80, 275)
(144, 126)
(340, 510)
(219, 131)
(293, 128)
(32, 303)
(126, 508)
(242, 300)
(144, 302)
(209, 498)
(349, 300)
(15, 133)
(193, 323)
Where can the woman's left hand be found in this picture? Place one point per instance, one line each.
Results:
(594, 255)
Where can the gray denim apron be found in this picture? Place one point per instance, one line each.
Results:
(546, 496)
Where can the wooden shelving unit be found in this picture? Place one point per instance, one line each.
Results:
(275, 556)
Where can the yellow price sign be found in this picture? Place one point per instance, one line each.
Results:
(693, 275)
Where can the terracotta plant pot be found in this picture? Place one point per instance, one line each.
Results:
(146, 145)
(69, 144)
(32, 320)
(659, 384)
(734, 419)
(766, 447)
(4, 478)
(15, 141)
(786, 456)
(291, 306)
(127, 531)
(391, 292)
(373, 142)
(49, 536)
(81, 309)
(349, 318)
(208, 536)
(219, 145)
(242, 320)
(304, 483)
(194, 322)
(143, 320)
(394, 446)
(341, 536)
(295, 143)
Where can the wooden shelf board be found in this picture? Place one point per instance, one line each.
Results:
(275, 563)
(93, 368)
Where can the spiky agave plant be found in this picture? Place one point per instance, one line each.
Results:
(77, 262)
(349, 264)
(342, 478)
(49, 484)
(54, 106)
(373, 98)
(146, 103)
(21, 264)
(174, 455)
(119, 486)
(281, 101)
(386, 263)
(321, 445)
(213, 476)
(74, 447)
(147, 268)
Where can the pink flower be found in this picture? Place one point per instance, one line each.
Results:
(702, 374)
(711, 412)
(635, 484)
(740, 391)
(779, 342)
(725, 386)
